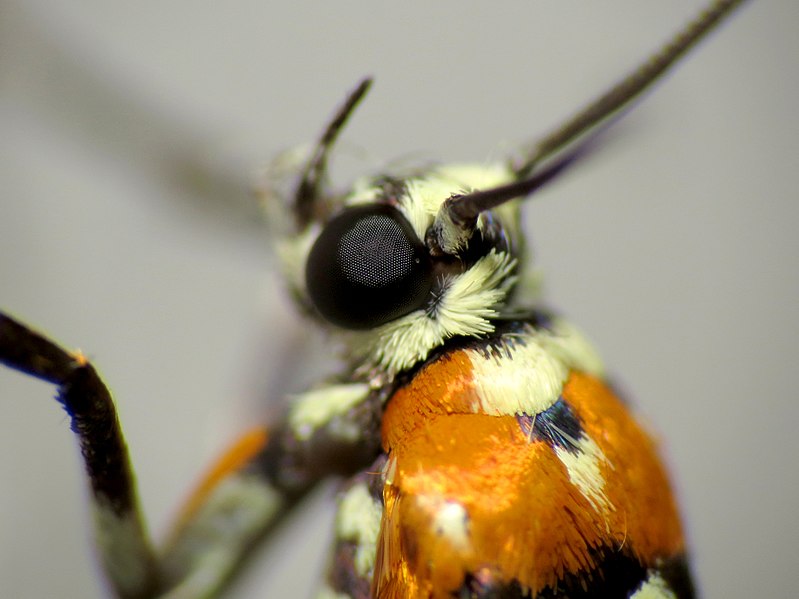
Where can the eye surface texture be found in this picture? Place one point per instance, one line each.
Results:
(368, 267)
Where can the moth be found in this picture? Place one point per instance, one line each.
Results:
(401, 366)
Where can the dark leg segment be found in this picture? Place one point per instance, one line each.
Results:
(254, 485)
(120, 530)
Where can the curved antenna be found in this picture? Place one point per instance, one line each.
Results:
(316, 169)
(630, 87)
(456, 220)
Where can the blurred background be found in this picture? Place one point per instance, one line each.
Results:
(130, 135)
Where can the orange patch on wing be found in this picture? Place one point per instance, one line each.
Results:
(237, 456)
(442, 387)
(636, 483)
(526, 521)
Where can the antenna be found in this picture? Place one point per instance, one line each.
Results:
(457, 218)
(316, 169)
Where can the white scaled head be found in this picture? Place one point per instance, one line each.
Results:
(370, 264)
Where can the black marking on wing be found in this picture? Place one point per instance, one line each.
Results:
(557, 426)
(677, 574)
(617, 576)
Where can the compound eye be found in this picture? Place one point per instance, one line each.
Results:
(368, 267)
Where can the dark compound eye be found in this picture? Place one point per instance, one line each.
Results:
(368, 267)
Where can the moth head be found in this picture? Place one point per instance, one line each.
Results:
(377, 258)
(391, 266)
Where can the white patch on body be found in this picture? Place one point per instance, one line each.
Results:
(451, 521)
(527, 373)
(448, 519)
(358, 520)
(654, 587)
(584, 471)
(528, 381)
(320, 407)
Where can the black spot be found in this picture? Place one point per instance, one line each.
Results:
(616, 576)
(557, 426)
(482, 585)
(677, 575)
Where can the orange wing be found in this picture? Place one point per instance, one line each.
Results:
(473, 497)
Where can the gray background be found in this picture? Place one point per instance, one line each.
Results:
(129, 132)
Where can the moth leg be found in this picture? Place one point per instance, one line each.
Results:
(123, 543)
(222, 519)
(332, 430)
(328, 431)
